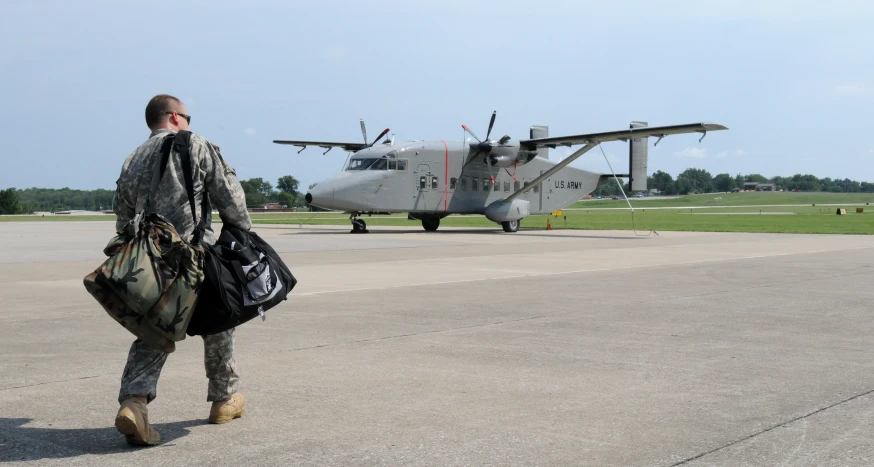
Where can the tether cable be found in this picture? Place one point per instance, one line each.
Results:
(633, 226)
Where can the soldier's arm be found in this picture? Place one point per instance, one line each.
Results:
(124, 210)
(225, 192)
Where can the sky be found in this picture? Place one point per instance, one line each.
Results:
(792, 80)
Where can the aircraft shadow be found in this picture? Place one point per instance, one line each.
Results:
(20, 443)
(526, 233)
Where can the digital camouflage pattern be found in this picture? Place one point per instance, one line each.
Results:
(144, 364)
(211, 176)
(150, 282)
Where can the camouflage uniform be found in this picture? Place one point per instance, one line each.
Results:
(212, 176)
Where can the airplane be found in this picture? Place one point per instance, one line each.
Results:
(506, 180)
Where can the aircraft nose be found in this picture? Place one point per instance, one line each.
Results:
(321, 195)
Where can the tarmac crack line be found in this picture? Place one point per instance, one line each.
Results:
(802, 417)
(770, 284)
(51, 382)
(436, 331)
(570, 272)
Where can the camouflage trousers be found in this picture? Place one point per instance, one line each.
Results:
(144, 364)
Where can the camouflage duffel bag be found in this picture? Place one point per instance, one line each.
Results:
(150, 283)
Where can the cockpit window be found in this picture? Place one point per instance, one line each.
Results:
(381, 163)
(360, 164)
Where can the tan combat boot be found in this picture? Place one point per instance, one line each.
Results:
(133, 422)
(225, 411)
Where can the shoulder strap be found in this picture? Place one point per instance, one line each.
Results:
(182, 145)
(160, 168)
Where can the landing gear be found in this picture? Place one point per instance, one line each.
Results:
(358, 225)
(510, 226)
(430, 224)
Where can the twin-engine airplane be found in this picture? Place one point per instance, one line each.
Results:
(505, 180)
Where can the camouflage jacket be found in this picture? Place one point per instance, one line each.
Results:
(212, 176)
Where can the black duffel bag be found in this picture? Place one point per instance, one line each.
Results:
(244, 277)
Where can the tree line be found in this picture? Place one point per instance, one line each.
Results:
(258, 192)
(701, 181)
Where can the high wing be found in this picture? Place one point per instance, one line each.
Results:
(593, 139)
(621, 135)
(323, 144)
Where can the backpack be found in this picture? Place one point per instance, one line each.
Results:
(150, 282)
(244, 277)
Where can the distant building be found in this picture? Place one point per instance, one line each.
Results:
(755, 186)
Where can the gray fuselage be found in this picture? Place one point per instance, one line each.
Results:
(430, 177)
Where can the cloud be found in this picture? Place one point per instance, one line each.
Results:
(697, 153)
(871, 151)
(852, 90)
(249, 132)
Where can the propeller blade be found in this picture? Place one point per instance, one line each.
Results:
(470, 133)
(380, 136)
(491, 124)
(363, 131)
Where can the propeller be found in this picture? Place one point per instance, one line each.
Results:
(364, 134)
(484, 146)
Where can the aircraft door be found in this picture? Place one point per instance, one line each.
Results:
(423, 178)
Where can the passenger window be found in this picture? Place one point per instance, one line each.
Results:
(423, 182)
(516, 185)
(392, 165)
(536, 188)
(506, 186)
(452, 183)
(497, 185)
(463, 183)
(402, 165)
(486, 186)
(473, 184)
(434, 181)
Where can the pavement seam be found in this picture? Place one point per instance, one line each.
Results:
(51, 382)
(436, 331)
(571, 272)
(772, 428)
(770, 284)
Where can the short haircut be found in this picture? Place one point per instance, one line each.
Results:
(158, 107)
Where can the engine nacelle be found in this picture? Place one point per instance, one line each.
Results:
(503, 211)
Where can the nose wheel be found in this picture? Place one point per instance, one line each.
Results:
(358, 226)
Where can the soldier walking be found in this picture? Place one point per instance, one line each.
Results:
(213, 178)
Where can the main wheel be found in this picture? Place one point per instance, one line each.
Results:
(510, 226)
(359, 226)
(430, 224)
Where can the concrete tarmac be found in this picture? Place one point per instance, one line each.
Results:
(469, 347)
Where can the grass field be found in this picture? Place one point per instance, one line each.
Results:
(738, 212)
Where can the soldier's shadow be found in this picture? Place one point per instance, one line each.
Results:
(19, 443)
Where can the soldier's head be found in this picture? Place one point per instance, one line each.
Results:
(166, 111)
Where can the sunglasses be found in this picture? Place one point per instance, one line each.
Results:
(186, 117)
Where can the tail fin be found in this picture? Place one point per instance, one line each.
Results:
(637, 160)
(540, 131)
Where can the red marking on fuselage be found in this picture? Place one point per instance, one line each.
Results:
(445, 177)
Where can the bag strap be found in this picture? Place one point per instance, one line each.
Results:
(182, 144)
(158, 173)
